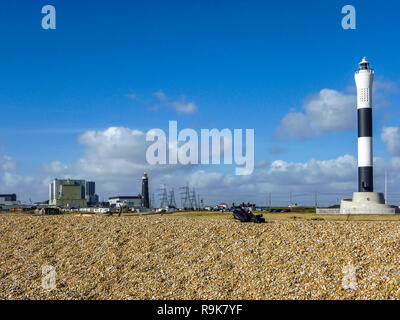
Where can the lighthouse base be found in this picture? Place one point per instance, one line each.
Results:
(362, 203)
(367, 203)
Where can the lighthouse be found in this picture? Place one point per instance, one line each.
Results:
(364, 78)
(365, 201)
(145, 191)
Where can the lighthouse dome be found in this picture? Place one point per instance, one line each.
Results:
(364, 64)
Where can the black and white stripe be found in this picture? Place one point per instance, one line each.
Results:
(365, 166)
(364, 78)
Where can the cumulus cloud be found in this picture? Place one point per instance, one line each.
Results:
(329, 110)
(12, 182)
(391, 138)
(160, 95)
(7, 163)
(335, 176)
(382, 90)
(184, 107)
(313, 172)
(332, 179)
(160, 100)
(115, 159)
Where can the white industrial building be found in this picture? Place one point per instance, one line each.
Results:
(129, 201)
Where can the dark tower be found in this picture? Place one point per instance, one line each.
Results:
(145, 191)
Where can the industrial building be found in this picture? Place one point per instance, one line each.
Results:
(132, 202)
(90, 194)
(74, 194)
(8, 200)
(71, 193)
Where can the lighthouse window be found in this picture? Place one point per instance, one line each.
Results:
(363, 95)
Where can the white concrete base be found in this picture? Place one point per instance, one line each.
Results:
(362, 203)
(367, 203)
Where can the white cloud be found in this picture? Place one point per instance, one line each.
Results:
(313, 172)
(184, 107)
(115, 159)
(382, 89)
(162, 100)
(332, 179)
(12, 182)
(160, 95)
(7, 163)
(334, 175)
(391, 138)
(329, 110)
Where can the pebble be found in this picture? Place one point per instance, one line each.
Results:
(197, 258)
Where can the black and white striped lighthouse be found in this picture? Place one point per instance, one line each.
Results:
(364, 77)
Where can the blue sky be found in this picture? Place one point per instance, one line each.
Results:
(244, 64)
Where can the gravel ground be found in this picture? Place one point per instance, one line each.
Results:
(197, 258)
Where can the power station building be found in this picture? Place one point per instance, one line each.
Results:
(8, 200)
(90, 193)
(71, 193)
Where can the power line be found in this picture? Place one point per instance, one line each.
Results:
(163, 196)
(193, 200)
(171, 199)
(185, 197)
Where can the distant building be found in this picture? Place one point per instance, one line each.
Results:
(67, 193)
(90, 188)
(90, 193)
(7, 200)
(221, 206)
(130, 201)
